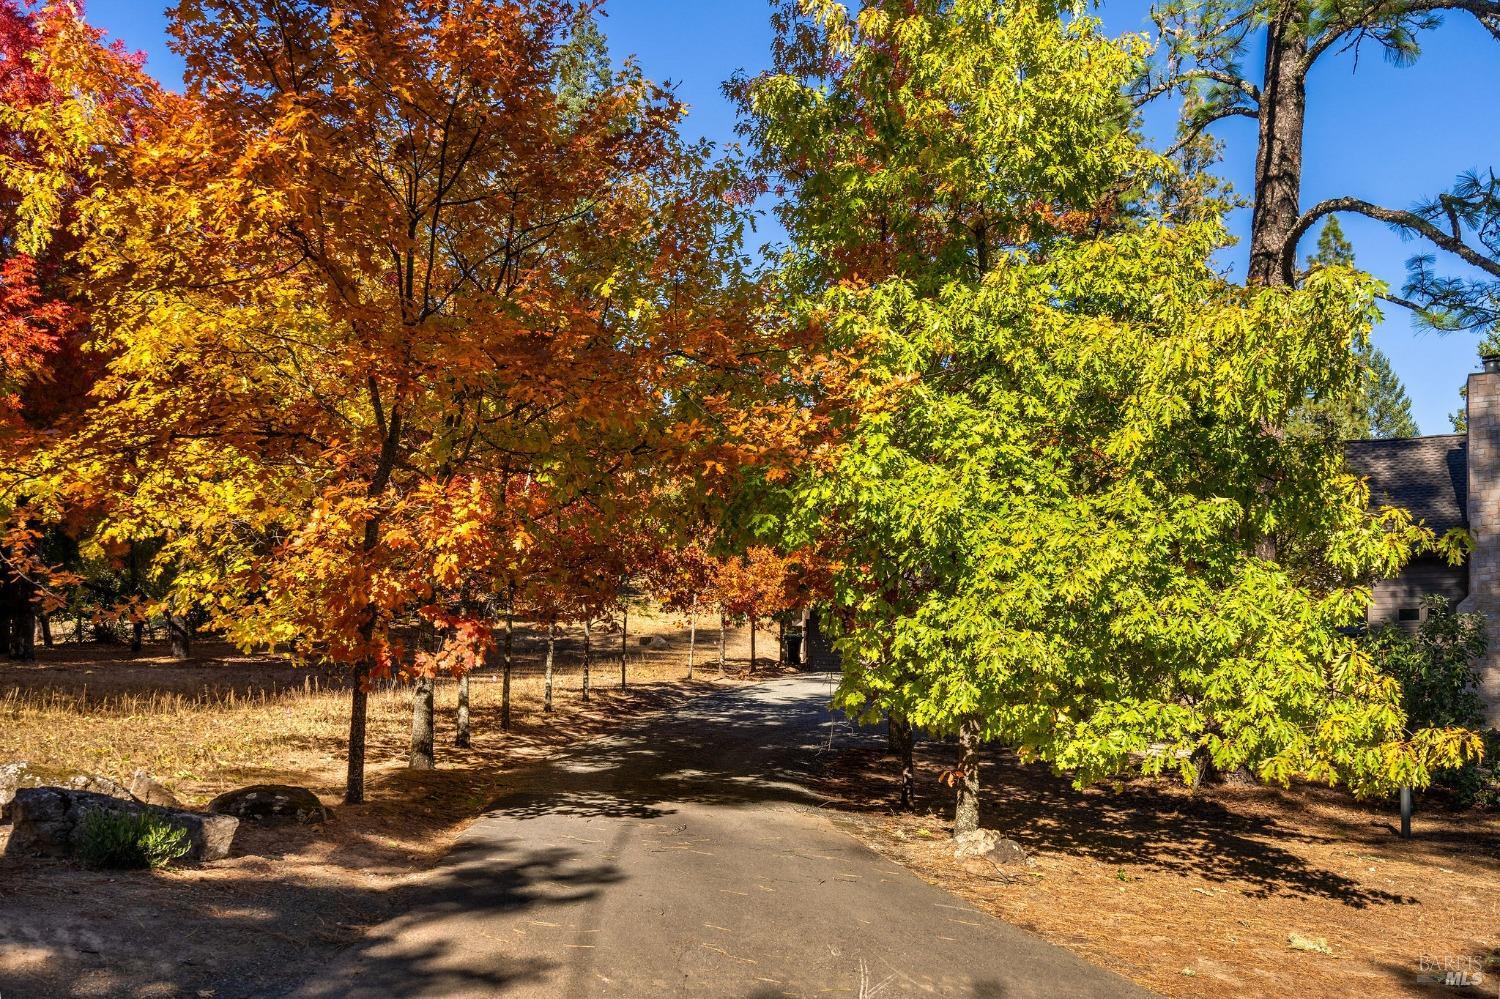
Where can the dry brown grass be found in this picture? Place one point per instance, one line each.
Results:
(227, 719)
(289, 896)
(217, 739)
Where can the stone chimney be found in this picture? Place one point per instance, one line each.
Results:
(1484, 523)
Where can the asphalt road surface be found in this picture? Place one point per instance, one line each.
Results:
(686, 857)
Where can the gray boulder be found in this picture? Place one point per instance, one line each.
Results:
(150, 791)
(659, 644)
(989, 845)
(49, 821)
(13, 777)
(270, 802)
(94, 784)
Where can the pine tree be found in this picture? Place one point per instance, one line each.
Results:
(1377, 406)
(1206, 44)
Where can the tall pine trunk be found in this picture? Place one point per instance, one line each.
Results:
(1278, 161)
(505, 667)
(966, 808)
(587, 654)
(423, 755)
(551, 653)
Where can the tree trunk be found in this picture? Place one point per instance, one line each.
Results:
(753, 630)
(464, 738)
(551, 652)
(781, 643)
(692, 637)
(1278, 161)
(359, 706)
(723, 626)
(46, 623)
(902, 740)
(505, 668)
(966, 808)
(624, 644)
(180, 635)
(423, 756)
(137, 633)
(587, 652)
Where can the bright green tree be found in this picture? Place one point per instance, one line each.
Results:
(1044, 508)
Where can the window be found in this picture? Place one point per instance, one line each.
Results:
(1407, 614)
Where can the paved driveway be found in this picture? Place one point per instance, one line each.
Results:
(686, 857)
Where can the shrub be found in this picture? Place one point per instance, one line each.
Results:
(127, 841)
(1437, 669)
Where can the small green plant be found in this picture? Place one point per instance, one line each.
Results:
(125, 841)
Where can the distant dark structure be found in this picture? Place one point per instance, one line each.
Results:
(1447, 481)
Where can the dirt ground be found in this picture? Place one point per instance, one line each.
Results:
(289, 896)
(1233, 891)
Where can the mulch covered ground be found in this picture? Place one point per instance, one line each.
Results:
(1230, 891)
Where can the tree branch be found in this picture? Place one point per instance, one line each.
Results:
(1486, 11)
(1407, 221)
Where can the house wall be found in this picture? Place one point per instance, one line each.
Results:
(1484, 523)
(1424, 577)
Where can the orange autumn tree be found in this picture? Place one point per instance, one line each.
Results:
(384, 257)
(753, 586)
(70, 102)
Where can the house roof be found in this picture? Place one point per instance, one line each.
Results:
(1427, 475)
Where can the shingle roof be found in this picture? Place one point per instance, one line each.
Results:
(1427, 475)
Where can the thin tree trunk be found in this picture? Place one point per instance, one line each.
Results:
(692, 637)
(587, 652)
(1278, 162)
(624, 643)
(551, 652)
(753, 630)
(464, 737)
(46, 622)
(137, 634)
(423, 754)
(505, 667)
(966, 808)
(723, 627)
(79, 630)
(902, 741)
(780, 643)
(359, 702)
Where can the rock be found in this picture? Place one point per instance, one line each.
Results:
(270, 801)
(13, 777)
(48, 821)
(659, 644)
(150, 791)
(990, 845)
(94, 784)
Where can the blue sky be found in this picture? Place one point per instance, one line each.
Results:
(1388, 135)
